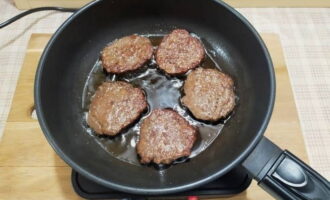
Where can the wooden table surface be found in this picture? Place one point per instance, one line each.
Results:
(30, 169)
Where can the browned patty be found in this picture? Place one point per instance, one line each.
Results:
(179, 52)
(114, 106)
(209, 94)
(126, 54)
(164, 137)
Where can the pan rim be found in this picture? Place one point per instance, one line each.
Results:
(148, 191)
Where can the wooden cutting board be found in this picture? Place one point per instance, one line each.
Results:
(27, 4)
(30, 169)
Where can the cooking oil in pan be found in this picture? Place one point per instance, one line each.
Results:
(162, 91)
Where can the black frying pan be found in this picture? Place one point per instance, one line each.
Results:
(239, 50)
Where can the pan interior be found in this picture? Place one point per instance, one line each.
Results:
(162, 91)
(74, 49)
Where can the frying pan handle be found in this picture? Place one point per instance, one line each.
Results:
(283, 175)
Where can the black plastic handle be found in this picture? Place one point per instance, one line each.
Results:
(283, 175)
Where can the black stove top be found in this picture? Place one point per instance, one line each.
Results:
(232, 183)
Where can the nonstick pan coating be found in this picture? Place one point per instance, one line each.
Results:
(74, 48)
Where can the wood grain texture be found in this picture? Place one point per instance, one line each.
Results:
(30, 169)
(39, 183)
(284, 127)
(24, 145)
(27, 4)
(22, 104)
